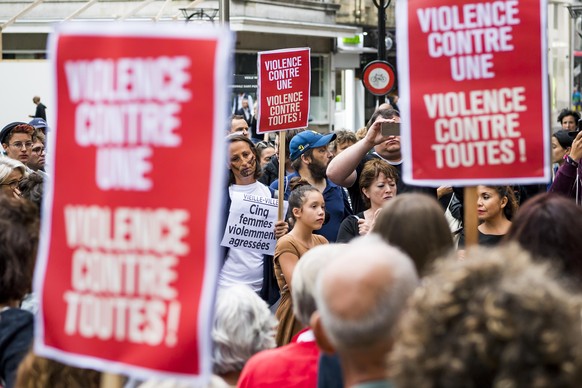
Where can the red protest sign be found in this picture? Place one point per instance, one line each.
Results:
(283, 93)
(473, 91)
(127, 270)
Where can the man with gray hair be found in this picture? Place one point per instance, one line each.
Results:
(359, 301)
(295, 364)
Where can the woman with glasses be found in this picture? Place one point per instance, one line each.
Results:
(11, 173)
(17, 139)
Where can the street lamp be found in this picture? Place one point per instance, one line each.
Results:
(382, 5)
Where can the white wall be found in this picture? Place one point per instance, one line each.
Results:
(19, 82)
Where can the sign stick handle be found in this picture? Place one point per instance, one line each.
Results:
(281, 174)
(470, 219)
(110, 380)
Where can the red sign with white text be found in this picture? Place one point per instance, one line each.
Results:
(127, 269)
(473, 91)
(284, 85)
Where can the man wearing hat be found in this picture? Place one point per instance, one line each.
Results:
(17, 139)
(310, 156)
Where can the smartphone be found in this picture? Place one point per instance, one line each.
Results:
(390, 129)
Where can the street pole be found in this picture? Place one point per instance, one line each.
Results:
(381, 5)
(224, 11)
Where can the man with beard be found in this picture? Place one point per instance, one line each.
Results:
(345, 168)
(310, 156)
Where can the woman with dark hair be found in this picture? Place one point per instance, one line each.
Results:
(568, 119)
(307, 210)
(496, 206)
(243, 266)
(548, 226)
(416, 224)
(378, 181)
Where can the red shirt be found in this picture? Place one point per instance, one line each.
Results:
(292, 365)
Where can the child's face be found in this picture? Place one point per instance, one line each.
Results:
(312, 213)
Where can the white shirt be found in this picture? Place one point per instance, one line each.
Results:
(244, 267)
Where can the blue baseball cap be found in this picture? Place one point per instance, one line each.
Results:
(308, 140)
(37, 123)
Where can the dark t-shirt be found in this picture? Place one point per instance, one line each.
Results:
(349, 228)
(40, 111)
(484, 239)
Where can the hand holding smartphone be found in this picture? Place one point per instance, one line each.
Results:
(390, 129)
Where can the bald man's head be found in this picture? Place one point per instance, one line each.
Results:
(360, 297)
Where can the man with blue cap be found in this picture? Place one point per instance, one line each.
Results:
(310, 156)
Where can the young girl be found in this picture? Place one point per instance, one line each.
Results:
(307, 209)
(496, 206)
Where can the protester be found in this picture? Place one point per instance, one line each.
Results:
(266, 151)
(310, 156)
(17, 139)
(359, 301)
(415, 223)
(243, 326)
(378, 181)
(19, 231)
(39, 372)
(568, 119)
(11, 173)
(295, 364)
(242, 266)
(37, 153)
(343, 140)
(307, 210)
(496, 319)
(238, 125)
(548, 227)
(496, 206)
(568, 180)
(561, 145)
(345, 168)
(39, 124)
(271, 170)
(31, 188)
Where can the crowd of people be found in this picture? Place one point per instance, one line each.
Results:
(368, 285)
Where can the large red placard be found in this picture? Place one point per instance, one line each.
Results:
(129, 257)
(473, 91)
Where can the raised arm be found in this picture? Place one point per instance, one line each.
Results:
(342, 169)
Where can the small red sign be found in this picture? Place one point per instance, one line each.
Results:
(379, 78)
(473, 91)
(284, 86)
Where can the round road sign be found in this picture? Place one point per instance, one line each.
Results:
(379, 78)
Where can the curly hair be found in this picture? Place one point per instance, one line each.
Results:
(37, 372)
(31, 188)
(496, 319)
(567, 112)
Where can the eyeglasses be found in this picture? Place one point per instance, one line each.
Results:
(13, 185)
(38, 150)
(18, 145)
